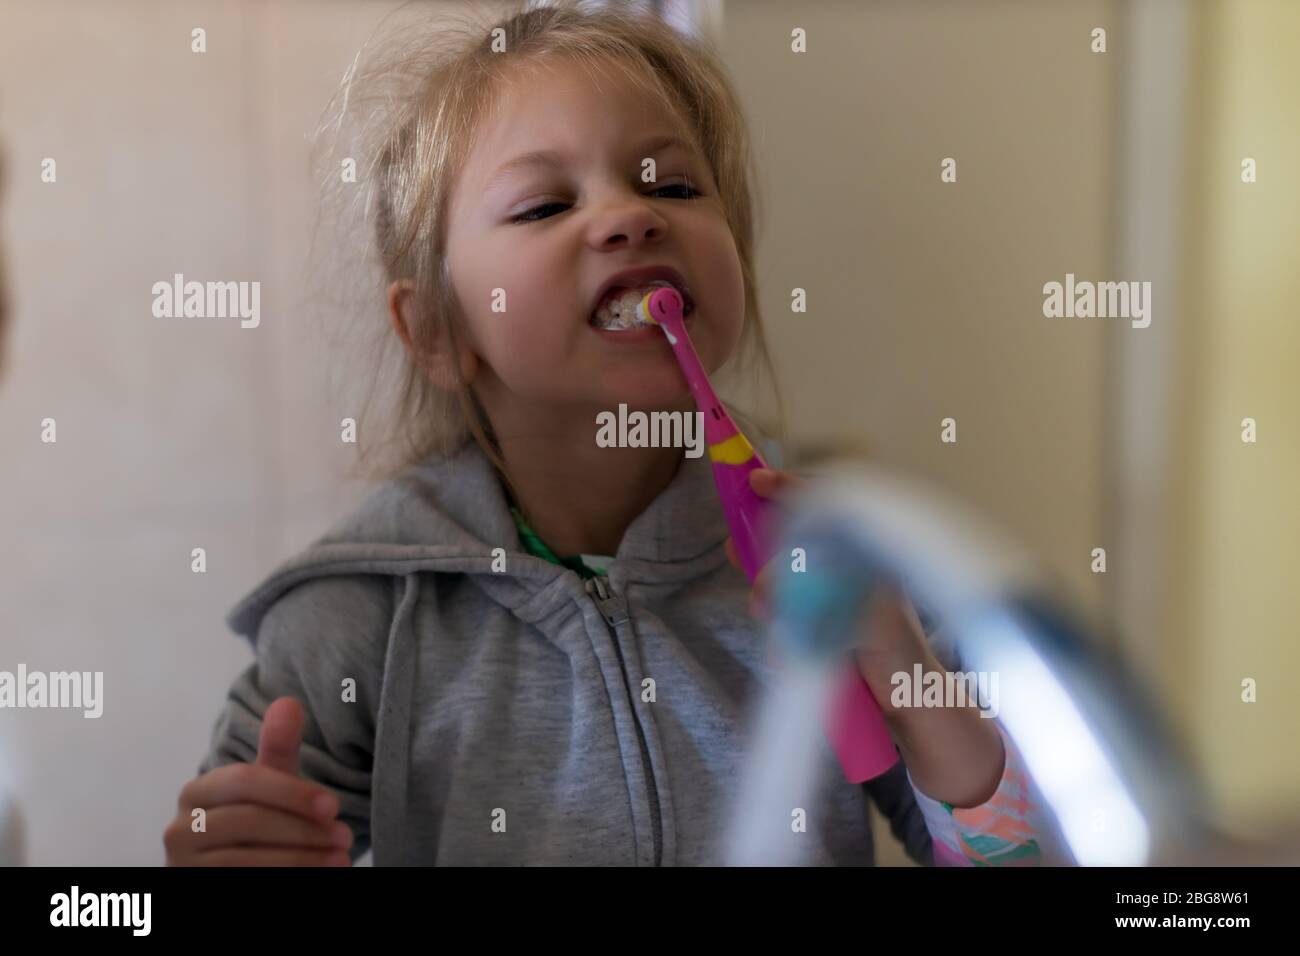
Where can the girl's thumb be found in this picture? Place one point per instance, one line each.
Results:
(281, 735)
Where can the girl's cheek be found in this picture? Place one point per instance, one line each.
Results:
(524, 330)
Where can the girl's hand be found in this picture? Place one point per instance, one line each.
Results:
(768, 483)
(263, 813)
(952, 754)
(892, 638)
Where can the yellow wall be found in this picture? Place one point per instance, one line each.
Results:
(1237, 590)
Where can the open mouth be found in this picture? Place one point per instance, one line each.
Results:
(617, 312)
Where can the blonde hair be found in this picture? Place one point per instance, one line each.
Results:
(421, 103)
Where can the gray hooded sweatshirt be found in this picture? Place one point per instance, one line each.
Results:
(503, 713)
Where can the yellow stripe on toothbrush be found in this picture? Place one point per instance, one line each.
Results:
(736, 450)
(643, 309)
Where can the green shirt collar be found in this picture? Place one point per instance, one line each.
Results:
(538, 548)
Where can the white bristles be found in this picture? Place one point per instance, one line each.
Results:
(623, 311)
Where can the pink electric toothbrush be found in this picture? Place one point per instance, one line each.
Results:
(856, 728)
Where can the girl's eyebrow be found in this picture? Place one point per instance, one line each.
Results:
(550, 159)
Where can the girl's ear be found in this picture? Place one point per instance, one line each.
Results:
(437, 360)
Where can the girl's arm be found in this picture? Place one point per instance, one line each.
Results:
(952, 753)
(1002, 831)
(315, 637)
(968, 778)
(968, 775)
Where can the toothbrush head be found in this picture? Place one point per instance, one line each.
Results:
(663, 304)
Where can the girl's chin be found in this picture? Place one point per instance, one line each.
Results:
(647, 388)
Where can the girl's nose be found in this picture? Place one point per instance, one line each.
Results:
(630, 222)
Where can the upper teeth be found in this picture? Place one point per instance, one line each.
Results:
(619, 311)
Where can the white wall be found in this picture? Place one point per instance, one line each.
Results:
(172, 434)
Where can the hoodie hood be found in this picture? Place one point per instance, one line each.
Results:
(450, 513)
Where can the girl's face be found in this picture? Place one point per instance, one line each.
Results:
(550, 233)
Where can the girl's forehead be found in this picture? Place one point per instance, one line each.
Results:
(565, 82)
(558, 106)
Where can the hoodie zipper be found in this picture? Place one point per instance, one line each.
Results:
(614, 611)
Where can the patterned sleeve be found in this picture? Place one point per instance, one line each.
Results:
(999, 832)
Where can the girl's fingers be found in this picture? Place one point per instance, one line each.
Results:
(255, 783)
(770, 483)
(765, 481)
(890, 639)
(247, 825)
(733, 556)
(272, 856)
(281, 735)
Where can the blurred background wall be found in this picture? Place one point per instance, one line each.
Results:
(924, 302)
(1233, 591)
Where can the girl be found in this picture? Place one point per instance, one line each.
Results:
(525, 648)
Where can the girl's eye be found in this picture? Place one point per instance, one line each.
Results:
(532, 214)
(691, 193)
(528, 216)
